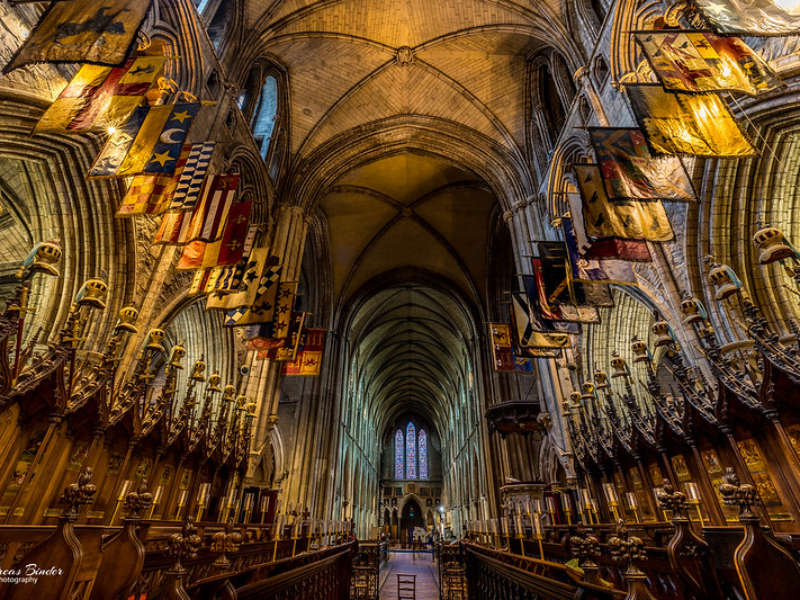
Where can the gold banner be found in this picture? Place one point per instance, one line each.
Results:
(93, 31)
(627, 220)
(698, 124)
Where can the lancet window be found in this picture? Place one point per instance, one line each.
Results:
(399, 455)
(410, 453)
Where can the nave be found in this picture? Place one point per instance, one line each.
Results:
(425, 572)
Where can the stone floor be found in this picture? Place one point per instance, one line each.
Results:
(427, 573)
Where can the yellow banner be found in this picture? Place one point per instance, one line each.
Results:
(92, 31)
(698, 124)
(101, 97)
(628, 220)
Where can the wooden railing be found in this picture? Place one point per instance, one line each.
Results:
(494, 575)
(153, 559)
(659, 561)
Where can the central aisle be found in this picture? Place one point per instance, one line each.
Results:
(427, 573)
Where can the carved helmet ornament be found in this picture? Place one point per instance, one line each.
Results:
(42, 259)
(93, 293)
(601, 379)
(692, 311)
(198, 373)
(772, 244)
(126, 319)
(155, 340)
(640, 350)
(723, 279)
(663, 334)
(178, 352)
(620, 367)
(213, 382)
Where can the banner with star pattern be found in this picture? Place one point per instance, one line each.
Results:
(150, 194)
(150, 141)
(260, 338)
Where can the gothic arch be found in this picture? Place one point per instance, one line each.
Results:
(503, 171)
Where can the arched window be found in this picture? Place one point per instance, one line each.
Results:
(201, 5)
(422, 440)
(266, 114)
(598, 9)
(250, 92)
(219, 22)
(399, 453)
(551, 102)
(411, 452)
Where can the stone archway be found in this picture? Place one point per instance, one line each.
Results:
(411, 517)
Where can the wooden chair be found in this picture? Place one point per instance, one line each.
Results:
(406, 587)
(361, 583)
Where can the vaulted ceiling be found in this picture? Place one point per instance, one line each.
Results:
(410, 354)
(357, 61)
(408, 211)
(352, 62)
(391, 69)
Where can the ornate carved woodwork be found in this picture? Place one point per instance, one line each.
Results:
(765, 568)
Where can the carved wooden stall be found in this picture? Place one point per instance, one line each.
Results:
(671, 448)
(159, 470)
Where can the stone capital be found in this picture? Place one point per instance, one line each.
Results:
(582, 72)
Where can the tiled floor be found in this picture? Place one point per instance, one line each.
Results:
(402, 562)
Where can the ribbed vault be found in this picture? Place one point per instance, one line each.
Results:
(408, 354)
(408, 211)
(353, 62)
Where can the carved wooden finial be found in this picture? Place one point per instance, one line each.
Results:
(743, 496)
(586, 547)
(626, 549)
(185, 543)
(224, 542)
(77, 494)
(138, 501)
(671, 499)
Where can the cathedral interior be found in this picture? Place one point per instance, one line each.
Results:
(486, 299)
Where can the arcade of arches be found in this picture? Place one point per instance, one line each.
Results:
(402, 162)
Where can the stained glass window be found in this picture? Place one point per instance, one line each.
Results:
(411, 452)
(423, 454)
(266, 115)
(399, 454)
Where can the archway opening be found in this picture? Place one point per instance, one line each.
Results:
(411, 521)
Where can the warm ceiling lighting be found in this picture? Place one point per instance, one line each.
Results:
(790, 6)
